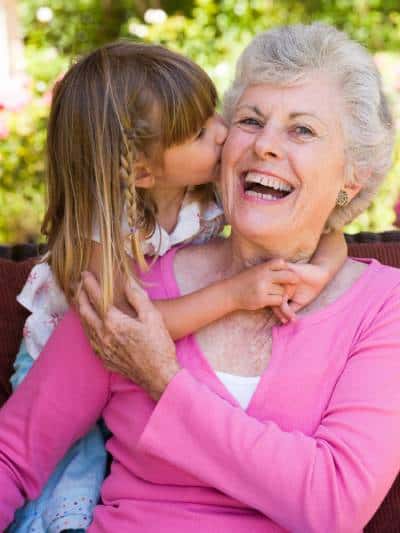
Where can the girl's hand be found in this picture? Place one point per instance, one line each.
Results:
(264, 285)
(139, 348)
(312, 280)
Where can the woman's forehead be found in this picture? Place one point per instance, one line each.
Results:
(317, 95)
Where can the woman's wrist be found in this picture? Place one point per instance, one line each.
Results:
(166, 375)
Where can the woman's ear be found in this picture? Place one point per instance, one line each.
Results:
(353, 189)
(354, 181)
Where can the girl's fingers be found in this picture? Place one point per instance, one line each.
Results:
(295, 306)
(287, 310)
(285, 277)
(276, 290)
(276, 264)
(274, 300)
(279, 315)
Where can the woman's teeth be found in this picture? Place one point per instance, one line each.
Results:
(266, 187)
(262, 196)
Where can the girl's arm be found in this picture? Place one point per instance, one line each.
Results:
(261, 286)
(254, 288)
(44, 416)
(331, 253)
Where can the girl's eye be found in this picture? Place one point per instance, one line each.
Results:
(303, 131)
(201, 133)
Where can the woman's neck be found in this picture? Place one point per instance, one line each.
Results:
(169, 202)
(240, 253)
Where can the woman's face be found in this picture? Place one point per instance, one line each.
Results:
(283, 161)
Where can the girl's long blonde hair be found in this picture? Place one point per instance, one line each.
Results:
(119, 101)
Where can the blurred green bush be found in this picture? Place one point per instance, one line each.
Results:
(211, 32)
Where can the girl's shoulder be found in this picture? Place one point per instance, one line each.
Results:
(47, 304)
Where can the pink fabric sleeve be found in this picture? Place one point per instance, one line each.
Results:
(60, 399)
(331, 481)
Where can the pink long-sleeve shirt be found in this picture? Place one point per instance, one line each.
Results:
(316, 450)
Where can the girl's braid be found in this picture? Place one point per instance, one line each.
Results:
(134, 215)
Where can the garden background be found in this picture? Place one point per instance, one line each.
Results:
(211, 32)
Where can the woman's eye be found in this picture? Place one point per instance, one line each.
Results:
(249, 121)
(303, 131)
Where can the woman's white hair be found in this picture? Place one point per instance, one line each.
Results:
(288, 55)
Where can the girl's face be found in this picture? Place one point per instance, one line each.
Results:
(197, 160)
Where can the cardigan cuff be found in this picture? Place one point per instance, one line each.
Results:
(171, 411)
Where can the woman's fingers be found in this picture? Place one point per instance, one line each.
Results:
(92, 288)
(91, 320)
(138, 299)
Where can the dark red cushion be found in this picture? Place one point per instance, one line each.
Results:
(387, 517)
(387, 253)
(12, 317)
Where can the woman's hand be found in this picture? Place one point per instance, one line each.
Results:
(139, 348)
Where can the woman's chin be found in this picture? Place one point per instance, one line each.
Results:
(256, 216)
(259, 229)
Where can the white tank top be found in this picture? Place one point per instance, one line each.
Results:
(241, 387)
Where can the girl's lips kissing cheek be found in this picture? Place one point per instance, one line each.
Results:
(263, 187)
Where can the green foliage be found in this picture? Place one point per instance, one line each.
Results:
(212, 32)
(22, 174)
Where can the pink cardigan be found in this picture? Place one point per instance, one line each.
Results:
(316, 450)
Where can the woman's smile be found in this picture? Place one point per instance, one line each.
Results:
(259, 185)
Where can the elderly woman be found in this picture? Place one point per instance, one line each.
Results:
(256, 427)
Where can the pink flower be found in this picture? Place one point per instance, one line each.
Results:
(4, 130)
(48, 95)
(15, 93)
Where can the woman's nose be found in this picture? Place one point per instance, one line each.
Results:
(268, 144)
(221, 129)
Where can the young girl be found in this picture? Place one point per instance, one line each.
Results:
(134, 146)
